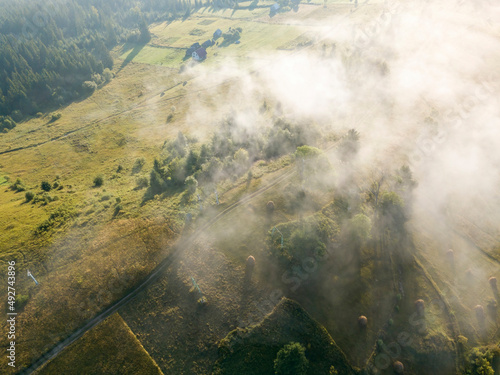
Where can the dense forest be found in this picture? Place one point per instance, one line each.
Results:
(54, 52)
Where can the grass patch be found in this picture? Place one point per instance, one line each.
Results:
(56, 219)
(206, 22)
(157, 56)
(197, 32)
(109, 348)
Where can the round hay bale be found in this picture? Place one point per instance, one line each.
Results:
(493, 282)
(270, 207)
(362, 321)
(250, 262)
(479, 312)
(399, 368)
(420, 306)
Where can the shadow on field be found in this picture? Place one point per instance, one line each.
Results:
(136, 49)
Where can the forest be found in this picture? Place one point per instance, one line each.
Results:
(55, 52)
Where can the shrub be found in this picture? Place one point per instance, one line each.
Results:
(138, 164)
(307, 152)
(119, 169)
(56, 219)
(107, 75)
(142, 182)
(118, 208)
(29, 196)
(6, 123)
(44, 198)
(118, 200)
(55, 117)
(18, 186)
(98, 181)
(21, 300)
(89, 87)
(46, 186)
(97, 78)
(480, 362)
(170, 117)
(291, 360)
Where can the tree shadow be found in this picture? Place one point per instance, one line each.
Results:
(136, 49)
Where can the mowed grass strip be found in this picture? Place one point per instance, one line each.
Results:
(109, 348)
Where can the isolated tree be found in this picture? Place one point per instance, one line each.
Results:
(191, 184)
(46, 186)
(241, 158)
(98, 181)
(145, 36)
(29, 196)
(192, 162)
(291, 360)
(156, 183)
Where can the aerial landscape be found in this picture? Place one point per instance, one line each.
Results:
(224, 187)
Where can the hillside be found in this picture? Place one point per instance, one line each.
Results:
(221, 179)
(252, 350)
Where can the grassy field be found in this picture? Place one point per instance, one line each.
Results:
(112, 338)
(101, 228)
(253, 350)
(170, 41)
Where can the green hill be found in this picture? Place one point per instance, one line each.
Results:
(253, 350)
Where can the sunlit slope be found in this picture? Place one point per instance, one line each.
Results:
(109, 348)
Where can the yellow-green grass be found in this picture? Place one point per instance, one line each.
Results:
(85, 269)
(156, 55)
(243, 12)
(109, 348)
(180, 334)
(463, 278)
(73, 262)
(119, 123)
(257, 38)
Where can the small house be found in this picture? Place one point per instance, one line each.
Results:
(191, 49)
(200, 54)
(217, 34)
(207, 43)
